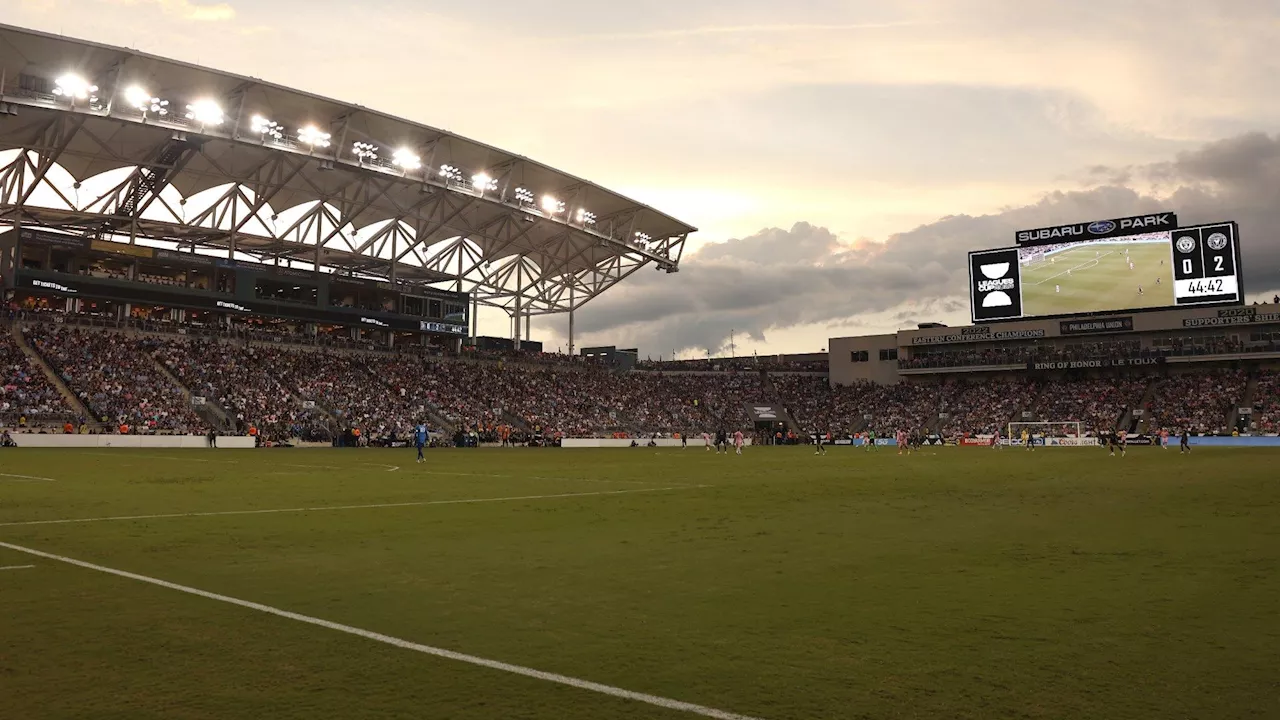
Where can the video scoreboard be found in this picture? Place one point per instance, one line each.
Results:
(1097, 268)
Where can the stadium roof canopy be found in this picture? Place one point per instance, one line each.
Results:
(125, 146)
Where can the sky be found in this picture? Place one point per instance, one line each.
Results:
(838, 156)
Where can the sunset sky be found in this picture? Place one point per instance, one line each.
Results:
(840, 157)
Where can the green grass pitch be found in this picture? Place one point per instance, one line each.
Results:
(1099, 280)
(956, 583)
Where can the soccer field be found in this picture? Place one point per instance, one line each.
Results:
(956, 583)
(1097, 278)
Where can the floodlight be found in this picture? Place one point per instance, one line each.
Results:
(552, 205)
(451, 172)
(483, 182)
(137, 97)
(523, 195)
(144, 102)
(267, 128)
(74, 87)
(311, 135)
(642, 238)
(585, 217)
(365, 151)
(406, 159)
(206, 112)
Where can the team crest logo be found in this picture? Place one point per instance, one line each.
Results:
(1186, 244)
(1216, 241)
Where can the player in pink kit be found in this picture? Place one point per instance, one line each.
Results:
(902, 441)
(737, 441)
(706, 438)
(1164, 439)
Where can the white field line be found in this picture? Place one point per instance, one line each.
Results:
(324, 508)
(662, 702)
(26, 478)
(17, 567)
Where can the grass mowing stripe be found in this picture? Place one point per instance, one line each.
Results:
(420, 503)
(596, 687)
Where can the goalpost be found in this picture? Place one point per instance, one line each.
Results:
(1068, 433)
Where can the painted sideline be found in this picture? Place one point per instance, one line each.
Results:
(420, 503)
(32, 478)
(596, 687)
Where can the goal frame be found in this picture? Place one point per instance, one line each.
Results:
(1015, 428)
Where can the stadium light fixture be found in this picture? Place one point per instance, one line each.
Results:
(206, 112)
(642, 238)
(406, 159)
(267, 128)
(311, 135)
(586, 217)
(524, 196)
(450, 173)
(552, 205)
(74, 87)
(364, 152)
(144, 102)
(483, 183)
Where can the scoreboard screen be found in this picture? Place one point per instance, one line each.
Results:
(1191, 266)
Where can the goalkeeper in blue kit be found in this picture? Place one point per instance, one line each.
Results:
(420, 439)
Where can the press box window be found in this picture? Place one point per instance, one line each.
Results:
(886, 355)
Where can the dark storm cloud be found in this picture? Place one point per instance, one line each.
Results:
(780, 278)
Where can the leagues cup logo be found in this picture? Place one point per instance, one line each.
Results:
(996, 285)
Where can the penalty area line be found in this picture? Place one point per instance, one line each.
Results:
(26, 478)
(659, 701)
(325, 508)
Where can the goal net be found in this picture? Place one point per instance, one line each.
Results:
(1044, 431)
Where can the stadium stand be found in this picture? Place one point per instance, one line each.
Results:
(27, 396)
(1197, 400)
(1096, 402)
(119, 384)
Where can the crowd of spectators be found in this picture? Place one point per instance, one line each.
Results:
(1098, 403)
(26, 392)
(1199, 401)
(113, 379)
(771, 363)
(981, 407)
(284, 391)
(1266, 402)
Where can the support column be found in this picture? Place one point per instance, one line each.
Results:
(571, 306)
(527, 323)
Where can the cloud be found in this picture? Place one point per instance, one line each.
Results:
(780, 279)
(185, 9)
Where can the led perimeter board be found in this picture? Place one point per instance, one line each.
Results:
(1192, 266)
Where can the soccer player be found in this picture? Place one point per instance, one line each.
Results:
(1164, 439)
(901, 437)
(1185, 442)
(1139, 289)
(821, 448)
(1124, 441)
(1057, 288)
(684, 440)
(1113, 442)
(722, 441)
(1026, 440)
(995, 440)
(737, 441)
(420, 440)
(869, 440)
(706, 440)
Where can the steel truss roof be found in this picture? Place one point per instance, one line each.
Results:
(109, 170)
